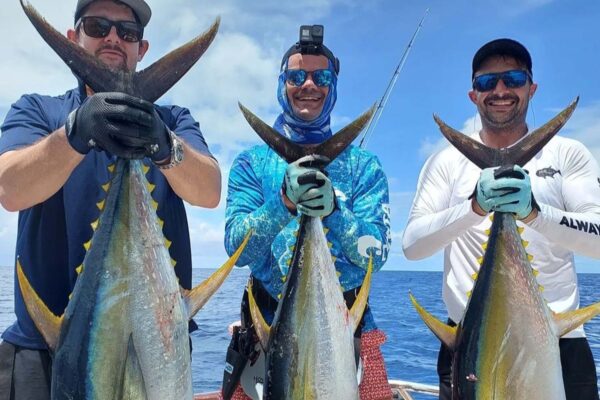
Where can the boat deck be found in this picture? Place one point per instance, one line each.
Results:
(401, 391)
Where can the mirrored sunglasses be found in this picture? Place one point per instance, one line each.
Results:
(297, 77)
(512, 79)
(99, 27)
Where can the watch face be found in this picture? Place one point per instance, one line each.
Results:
(177, 151)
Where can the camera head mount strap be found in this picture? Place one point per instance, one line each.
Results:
(311, 42)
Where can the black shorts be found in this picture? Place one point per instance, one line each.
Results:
(25, 374)
(578, 369)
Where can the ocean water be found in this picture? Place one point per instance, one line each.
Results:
(410, 351)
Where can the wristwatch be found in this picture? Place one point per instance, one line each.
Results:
(176, 152)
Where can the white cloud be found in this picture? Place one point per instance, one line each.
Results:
(584, 126)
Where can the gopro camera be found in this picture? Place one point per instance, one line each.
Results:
(311, 38)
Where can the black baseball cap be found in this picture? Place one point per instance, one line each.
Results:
(140, 9)
(505, 48)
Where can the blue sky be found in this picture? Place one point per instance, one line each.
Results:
(369, 37)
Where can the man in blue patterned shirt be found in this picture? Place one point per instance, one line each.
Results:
(351, 196)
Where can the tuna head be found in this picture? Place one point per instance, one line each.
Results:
(506, 345)
(310, 344)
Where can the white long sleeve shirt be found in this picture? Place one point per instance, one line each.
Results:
(565, 180)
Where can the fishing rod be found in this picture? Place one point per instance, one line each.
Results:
(380, 106)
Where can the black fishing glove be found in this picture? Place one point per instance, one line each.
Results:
(123, 125)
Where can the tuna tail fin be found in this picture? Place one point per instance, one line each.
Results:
(567, 321)
(520, 153)
(360, 303)
(46, 322)
(291, 151)
(263, 330)
(152, 82)
(198, 296)
(149, 84)
(444, 332)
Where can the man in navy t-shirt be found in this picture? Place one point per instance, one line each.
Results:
(55, 154)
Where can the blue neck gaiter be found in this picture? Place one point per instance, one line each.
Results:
(299, 130)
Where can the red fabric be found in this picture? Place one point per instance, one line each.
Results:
(374, 384)
(239, 394)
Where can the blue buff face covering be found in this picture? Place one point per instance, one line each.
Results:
(299, 130)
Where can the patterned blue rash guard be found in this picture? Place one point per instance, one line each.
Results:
(359, 227)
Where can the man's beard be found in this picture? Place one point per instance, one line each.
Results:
(504, 120)
(121, 66)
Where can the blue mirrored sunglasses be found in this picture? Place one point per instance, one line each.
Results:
(512, 79)
(297, 77)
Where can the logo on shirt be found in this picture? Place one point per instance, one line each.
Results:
(547, 172)
(583, 226)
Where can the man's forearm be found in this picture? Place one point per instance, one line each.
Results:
(197, 180)
(31, 175)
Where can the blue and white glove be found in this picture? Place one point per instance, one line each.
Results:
(318, 201)
(308, 188)
(505, 189)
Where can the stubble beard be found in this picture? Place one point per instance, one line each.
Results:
(505, 121)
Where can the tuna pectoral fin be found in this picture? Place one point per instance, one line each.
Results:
(444, 332)
(263, 330)
(358, 308)
(198, 296)
(46, 322)
(570, 320)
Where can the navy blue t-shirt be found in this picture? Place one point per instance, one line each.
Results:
(51, 235)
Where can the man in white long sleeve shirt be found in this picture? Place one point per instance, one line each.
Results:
(557, 203)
